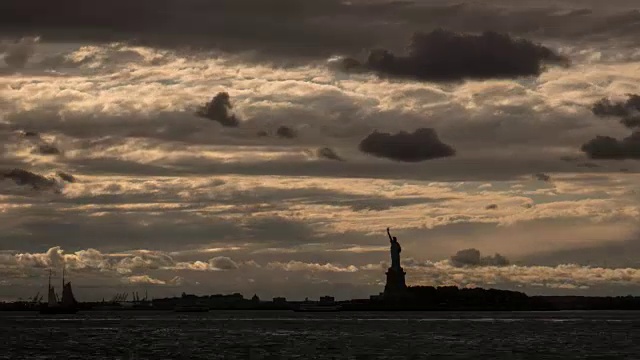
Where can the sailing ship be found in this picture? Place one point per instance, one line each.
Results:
(68, 303)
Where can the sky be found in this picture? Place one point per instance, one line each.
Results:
(255, 146)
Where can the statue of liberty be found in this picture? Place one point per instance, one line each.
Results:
(395, 251)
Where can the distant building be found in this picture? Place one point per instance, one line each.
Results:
(327, 299)
(279, 300)
(226, 300)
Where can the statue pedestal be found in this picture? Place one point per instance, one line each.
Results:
(396, 286)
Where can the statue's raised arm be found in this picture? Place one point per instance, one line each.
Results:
(395, 251)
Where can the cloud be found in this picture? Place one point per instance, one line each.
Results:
(328, 153)
(312, 267)
(143, 280)
(144, 260)
(532, 279)
(471, 257)
(609, 148)
(628, 110)
(542, 177)
(27, 178)
(286, 132)
(66, 176)
(17, 55)
(302, 27)
(445, 55)
(153, 176)
(219, 109)
(48, 149)
(606, 107)
(222, 263)
(31, 134)
(423, 144)
(126, 265)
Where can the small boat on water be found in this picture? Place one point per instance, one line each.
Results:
(68, 304)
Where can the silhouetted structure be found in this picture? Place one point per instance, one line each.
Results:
(68, 304)
(396, 286)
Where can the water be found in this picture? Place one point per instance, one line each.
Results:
(289, 335)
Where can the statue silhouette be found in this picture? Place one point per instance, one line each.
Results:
(395, 251)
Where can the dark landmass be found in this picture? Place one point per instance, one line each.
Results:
(418, 298)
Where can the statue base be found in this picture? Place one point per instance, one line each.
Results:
(396, 286)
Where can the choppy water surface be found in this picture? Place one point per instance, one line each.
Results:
(288, 335)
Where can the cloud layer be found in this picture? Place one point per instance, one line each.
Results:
(302, 27)
(104, 155)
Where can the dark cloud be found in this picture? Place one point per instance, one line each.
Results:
(48, 149)
(30, 134)
(66, 177)
(328, 153)
(286, 132)
(472, 257)
(301, 27)
(631, 121)
(40, 146)
(628, 110)
(446, 55)
(422, 144)
(18, 54)
(219, 109)
(27, 178)
(542, 177)
(347, 64)
(609, 148)
(606, 107)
